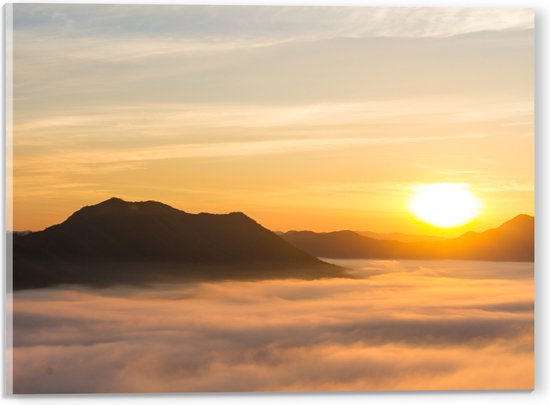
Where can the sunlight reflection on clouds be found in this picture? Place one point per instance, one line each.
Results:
(407, 325)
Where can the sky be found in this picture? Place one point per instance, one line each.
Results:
(319, 118)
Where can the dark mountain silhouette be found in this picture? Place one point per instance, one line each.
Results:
(512, 241)
(21, 233)
(138, 242)
(400, 237)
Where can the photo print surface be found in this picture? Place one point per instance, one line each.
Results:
(270, 199)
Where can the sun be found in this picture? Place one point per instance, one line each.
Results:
(445, 205)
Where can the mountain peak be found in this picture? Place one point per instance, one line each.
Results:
(117, 207)
(113, 200)
(522, 217)
(149, 240)
(521, 221)
(116, 201)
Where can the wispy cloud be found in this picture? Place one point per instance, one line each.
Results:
(108, 54)
(488, 182)
(73, 160)
(111, 98)
(167, 119)
(258, 24)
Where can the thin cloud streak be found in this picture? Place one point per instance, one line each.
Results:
(317, 115)
(264, 23)
(110, 99)
(223, 149)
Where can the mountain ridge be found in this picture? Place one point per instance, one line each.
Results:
(511, 241)
(98, 238)
(400, 237)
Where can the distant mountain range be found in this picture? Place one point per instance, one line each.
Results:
(512, 241)
(395, 236)
(139, 242)
(120, 242)
(400, 237)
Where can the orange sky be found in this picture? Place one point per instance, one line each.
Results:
(317, 118)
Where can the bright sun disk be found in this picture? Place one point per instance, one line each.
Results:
(446, 205)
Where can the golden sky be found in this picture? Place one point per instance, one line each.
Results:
(301, 117)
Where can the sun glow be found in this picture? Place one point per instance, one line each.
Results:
(446, 205)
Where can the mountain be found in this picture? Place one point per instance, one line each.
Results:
(512, 241)
(138, 242)
(400, 237)
(21, 233)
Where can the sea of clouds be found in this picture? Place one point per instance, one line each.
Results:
(401, 325)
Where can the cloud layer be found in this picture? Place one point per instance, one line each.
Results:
(404, 326)
(266, 23)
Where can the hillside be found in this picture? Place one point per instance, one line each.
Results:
(137, 242)
(512, 241)
(400, 237)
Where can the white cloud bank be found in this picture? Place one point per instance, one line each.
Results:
(406, 326)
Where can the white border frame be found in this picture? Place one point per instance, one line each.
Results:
(541, 393)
